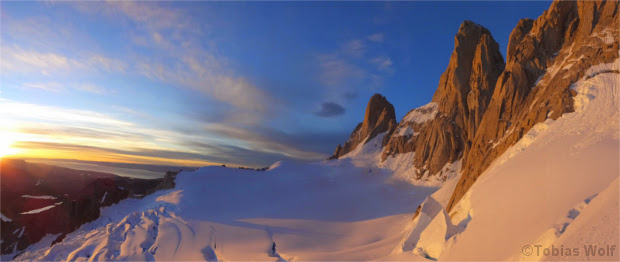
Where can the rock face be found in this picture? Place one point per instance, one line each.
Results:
(28, 187)
(545, 57)
(379, 118)
(441, 131)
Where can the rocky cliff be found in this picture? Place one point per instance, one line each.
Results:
(544, 58)
(441, 131)
(379, 117)
(37, 200)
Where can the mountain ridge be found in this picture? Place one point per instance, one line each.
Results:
(483, 103)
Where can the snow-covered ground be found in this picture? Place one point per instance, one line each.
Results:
(348, 209)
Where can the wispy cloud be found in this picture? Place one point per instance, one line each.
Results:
(354, 65)
(166, 46)
(92, 88)
(106, 63)
(383, 63)
(49, 128)
(378, 37)
(337, 71)
(42, 32)
(355, 47)
(27, 111)
(15, 59)
(18, 60)
(51, 87)
(185, 60)
(265, 140)
(57, 87)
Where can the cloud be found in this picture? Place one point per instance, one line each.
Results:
(43, 33)
(378, 37)
(200, 75)
(234, 155)
(50, 87)
(265, 140)
(336, 71)
(106, 63)
(15, 59)
(186, 60)
(355, 48)
(57, 87)
(60, 131)
(141, 152)
(383, 63)
(187, 57)
(207, 153)
(91, 88)
(103, 135)
(354, 66)
(152, 15)
(376, 81)
(18, 60)
(43, 113)
(350, 95)
(330, 109)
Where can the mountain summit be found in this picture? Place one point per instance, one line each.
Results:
(380, 117)
(441, 131)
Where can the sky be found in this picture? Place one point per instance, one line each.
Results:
(201, 83)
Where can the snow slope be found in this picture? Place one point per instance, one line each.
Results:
(558, 186)
(347, 209)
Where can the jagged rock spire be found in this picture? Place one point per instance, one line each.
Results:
(379, 117)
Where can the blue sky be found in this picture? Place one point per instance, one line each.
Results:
(196, 83)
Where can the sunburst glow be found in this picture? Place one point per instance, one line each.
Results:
(6, 146)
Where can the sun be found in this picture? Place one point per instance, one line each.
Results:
(6, 146)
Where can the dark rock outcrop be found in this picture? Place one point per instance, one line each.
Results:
(70, 204)
(336, 153)
(380, 117)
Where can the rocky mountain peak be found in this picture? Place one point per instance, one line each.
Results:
(468, 28)
(475, 55)
(463, 94)
(379, 113)
(379, 117)
(546, 57)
